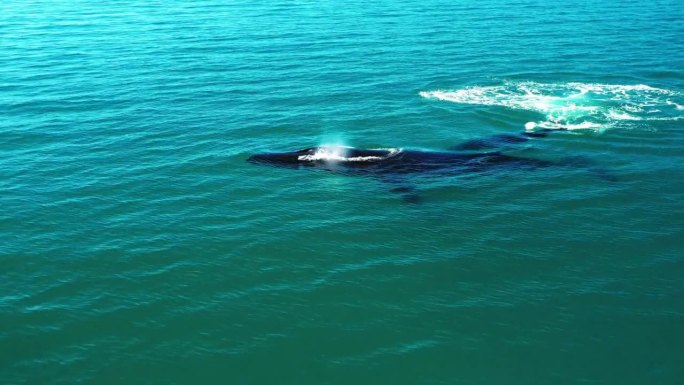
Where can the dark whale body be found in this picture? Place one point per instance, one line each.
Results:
(394, 165)
(466, 157)
(378, 162)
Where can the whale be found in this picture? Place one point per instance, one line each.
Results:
(394, 165)
(471, 156)
(379, 161)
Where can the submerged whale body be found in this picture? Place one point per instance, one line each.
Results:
(382, 161)
(353, 160)
(461, 158)
(393, 165)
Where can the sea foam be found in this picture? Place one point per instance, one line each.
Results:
(573, 105)
(336, 153)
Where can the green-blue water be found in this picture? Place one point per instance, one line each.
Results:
(138, 247)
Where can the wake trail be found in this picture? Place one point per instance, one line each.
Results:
(574, 106)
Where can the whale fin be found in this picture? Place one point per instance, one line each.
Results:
(400, 186)
(408, 194)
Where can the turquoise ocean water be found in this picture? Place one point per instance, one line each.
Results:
(137, 246)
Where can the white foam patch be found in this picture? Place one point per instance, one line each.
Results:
(573, 105)
(338, 154)
(675, 105)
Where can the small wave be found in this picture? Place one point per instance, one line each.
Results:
(573, 105)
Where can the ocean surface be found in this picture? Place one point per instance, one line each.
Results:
(137, 245)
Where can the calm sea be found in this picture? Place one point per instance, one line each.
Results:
(137, 246)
